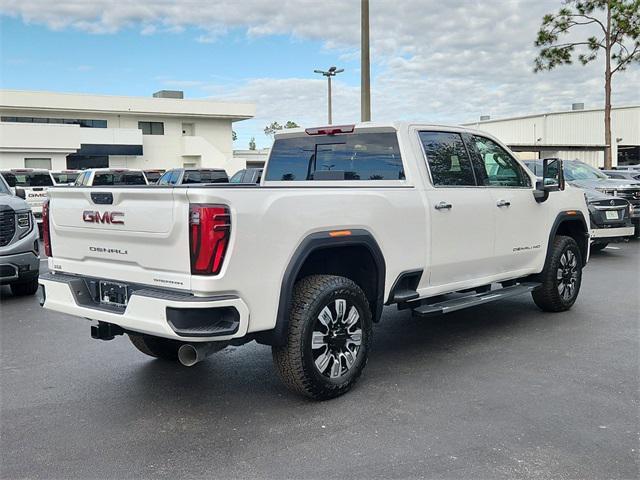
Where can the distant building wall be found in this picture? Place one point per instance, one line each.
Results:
(572, 134)
(185, 132)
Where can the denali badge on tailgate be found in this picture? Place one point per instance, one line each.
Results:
(116, 218)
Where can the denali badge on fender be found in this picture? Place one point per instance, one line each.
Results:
(116, 218)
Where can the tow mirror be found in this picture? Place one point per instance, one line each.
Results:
(20, 193)
(552, 179)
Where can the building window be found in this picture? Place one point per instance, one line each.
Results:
(628, 155)
(151, 128)
(85, 123)
(38, 163)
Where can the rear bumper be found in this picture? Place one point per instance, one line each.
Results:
(163, 313)
(611, 233)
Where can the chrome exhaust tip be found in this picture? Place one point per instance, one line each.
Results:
(191, 353)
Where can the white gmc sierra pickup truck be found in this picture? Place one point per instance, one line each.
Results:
(346, 219)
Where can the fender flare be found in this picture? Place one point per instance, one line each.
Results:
(319, 241)
(568, 216)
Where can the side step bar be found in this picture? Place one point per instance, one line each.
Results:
(447, 306)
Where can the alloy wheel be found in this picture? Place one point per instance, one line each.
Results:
(336, 338)
(567, 275)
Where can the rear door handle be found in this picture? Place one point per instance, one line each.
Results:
(443, 206)
(503, 203)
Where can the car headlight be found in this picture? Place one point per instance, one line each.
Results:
(24, 221)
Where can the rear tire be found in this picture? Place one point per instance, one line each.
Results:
(561, 278)
(330, 329)
(22, 289)
(598, 247)
(155, 346)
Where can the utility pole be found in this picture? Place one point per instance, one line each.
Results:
(365, 75)
(332, 72)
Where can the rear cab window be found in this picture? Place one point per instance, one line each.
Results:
(64, 178)
(342, 157)
(28, 179)
(118, 178)
(205, 176)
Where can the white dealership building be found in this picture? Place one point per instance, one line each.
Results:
(62, 130)
(574, 134)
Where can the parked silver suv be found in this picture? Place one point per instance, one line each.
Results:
(19, 255)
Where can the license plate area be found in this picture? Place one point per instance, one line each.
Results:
(611, 214)
(112, 293)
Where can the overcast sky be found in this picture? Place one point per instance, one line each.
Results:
(440, 61)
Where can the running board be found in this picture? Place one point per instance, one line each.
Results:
(459, 303)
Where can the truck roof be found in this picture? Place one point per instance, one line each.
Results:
(372, 127)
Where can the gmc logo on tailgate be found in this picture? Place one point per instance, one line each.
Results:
(115, 218)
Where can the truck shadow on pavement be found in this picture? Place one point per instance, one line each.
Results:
(401, 344)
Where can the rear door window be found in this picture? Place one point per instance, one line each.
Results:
(362, 156)
(448, 159)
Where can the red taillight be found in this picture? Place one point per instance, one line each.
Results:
(46, 234)
(209, 231)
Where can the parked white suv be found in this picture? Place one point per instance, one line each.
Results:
(35, 183)
(345, 220)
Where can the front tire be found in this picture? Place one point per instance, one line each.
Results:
(330, 329)
(22, 289)
(156, 347)
(561, 278)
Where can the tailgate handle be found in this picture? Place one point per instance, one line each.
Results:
(102, 198)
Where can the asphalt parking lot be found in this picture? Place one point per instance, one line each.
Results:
(500, 391)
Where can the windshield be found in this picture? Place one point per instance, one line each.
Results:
(119, 178)
(581, 171)
(28, 179)
(4, 188)
(64, 177)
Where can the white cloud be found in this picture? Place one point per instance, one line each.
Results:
(436, 61)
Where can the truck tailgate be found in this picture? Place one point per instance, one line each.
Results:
(137, 235)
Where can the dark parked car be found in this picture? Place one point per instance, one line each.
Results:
(185, 176)
(614, 205)
(247, 175)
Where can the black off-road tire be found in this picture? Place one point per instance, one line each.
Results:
(295, 362)
(547, 297)
(598, 247)
(24, 288)
(156, 347)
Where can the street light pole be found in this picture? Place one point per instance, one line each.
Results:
(365, 75)
(332, 72)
